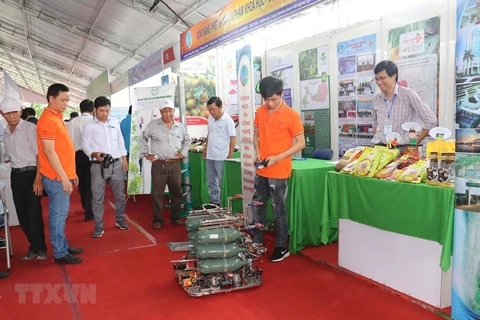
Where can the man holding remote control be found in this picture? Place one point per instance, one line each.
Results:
(276, 126)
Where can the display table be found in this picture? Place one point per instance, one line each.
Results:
(395, 233)
(198, 178)
(304, 198)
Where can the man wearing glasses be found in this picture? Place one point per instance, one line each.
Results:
(396, 105)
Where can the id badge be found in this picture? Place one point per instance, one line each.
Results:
(387, 127)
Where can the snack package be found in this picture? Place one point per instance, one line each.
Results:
(437, 173)
(387, 171)
(414, 173)
(446, 170)
(432, 168)
(387, 156)
(368, 162)
(349, 167)
(403, 163)
(411, 151)
(348, 157)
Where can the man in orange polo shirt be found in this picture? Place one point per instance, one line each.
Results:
(56, 155)
(276, 127)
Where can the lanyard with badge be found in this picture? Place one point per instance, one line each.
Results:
(388, 126)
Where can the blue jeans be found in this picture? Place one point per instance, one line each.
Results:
(58, 207)
(214, 179)
(277, 189)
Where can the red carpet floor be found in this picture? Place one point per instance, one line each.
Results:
(128, 275)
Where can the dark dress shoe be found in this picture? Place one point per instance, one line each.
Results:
(75, 251)
(4, 274)
(68, 259)
(88, 219)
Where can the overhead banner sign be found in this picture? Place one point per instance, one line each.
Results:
(149, 67)
(234, 20)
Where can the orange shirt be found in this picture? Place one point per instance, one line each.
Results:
(51, 126)
(275, 135)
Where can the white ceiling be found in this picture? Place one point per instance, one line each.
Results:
(73, 41)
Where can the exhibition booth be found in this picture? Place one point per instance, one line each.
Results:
(395, 233)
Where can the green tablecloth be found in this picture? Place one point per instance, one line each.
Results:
(417, 210)
(304, 198)
(198, 178)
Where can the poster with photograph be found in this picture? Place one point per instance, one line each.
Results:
(314, 78)
(356, 88)
(283, 68)
(415, 49)
(466, 251)
(465, 284)
(200, 86)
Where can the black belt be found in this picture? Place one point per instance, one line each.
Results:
(114, 160)
(29, 168)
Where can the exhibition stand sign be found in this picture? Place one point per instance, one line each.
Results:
(246, 103)
(234, 20)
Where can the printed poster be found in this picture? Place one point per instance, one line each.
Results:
(314, 79)
(283, 68)
(356, 88)
(466, 242)
(415, 49)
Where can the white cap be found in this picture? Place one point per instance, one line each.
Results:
(167, 103)
(10, 105)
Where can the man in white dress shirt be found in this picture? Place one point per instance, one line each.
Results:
(82, 161)
(102, 141)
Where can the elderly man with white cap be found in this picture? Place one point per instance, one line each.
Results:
(169, 143)
(21, 148)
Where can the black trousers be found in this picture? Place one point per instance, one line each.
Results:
(29, 209)
(83, 165)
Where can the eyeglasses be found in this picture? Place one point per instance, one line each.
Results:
(380, 79)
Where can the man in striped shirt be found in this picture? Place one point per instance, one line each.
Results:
(396, 105)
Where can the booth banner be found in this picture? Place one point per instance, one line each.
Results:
(356, 88)
(466, 246)
(119, 83)
(282, 68)
(171, 55)
(415, 49)
(145, 108)
(11, 89)
(247, 112)
(147, 68)
(235, 19)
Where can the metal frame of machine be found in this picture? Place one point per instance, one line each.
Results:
(224, 270)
